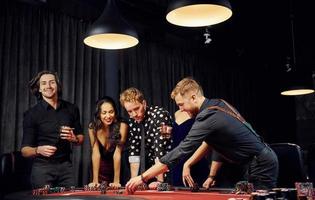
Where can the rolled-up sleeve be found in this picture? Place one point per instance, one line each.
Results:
(217, 157)
(29, 131)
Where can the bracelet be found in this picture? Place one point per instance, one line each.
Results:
(36, 152)
(211, 176)
(142, 179)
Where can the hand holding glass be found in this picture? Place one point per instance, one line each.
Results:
(166, 131)
(66, 133)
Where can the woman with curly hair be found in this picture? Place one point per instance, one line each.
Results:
(108, 134)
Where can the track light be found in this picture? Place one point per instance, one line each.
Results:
(207, 37)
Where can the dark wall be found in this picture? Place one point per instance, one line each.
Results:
(251, 87)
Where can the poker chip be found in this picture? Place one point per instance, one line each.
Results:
(244, 187)
(103, 187)
(259, 196)
(90, 188)
(47, 190)
(195, 188)
(72, 188)
(118, 191)
(163, 187)
(142, 187)
(285, 193)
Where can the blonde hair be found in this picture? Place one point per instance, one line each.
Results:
(186, 85)
(131, 95)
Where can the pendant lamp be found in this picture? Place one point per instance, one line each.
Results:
(297, 91)
(111, 30)
(296, 82)
(198, 13)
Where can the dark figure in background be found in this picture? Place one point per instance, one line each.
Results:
(219, 127)
(226, 177)
(108, 134)
(181, 126)
(49, 130)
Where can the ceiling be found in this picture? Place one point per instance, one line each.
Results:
(256, 26)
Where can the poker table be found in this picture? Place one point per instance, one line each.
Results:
(182, 194)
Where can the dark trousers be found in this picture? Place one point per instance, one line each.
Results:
(52, 172)
(263, 169)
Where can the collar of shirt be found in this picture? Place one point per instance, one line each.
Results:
(146, 115)
(47, 106)
(210, 102)
(206, 103)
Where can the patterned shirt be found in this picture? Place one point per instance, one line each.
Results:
(156, 146)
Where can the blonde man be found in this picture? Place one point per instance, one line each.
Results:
(149, 132)
(220, 127)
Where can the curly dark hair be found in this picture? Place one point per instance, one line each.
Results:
(34, 84)
(97, 124)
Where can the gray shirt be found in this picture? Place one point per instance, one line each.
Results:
(230, 139)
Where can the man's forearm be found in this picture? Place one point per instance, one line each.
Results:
(29, 151)
(198, 155)
(158, 168)
(215, 167)
(134, 169)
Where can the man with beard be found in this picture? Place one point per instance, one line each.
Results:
(149, 132)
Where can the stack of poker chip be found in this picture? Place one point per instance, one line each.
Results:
(275, 194)
(163, 187)
(103, 187)
(285, 193)
(143, 187)
(244, 187)
(72, 188)
(57, 189)
(259, 196)
(47, 190)
(195, 188)
(91, 188)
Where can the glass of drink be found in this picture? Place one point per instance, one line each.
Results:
(166, 131)
(65, 131)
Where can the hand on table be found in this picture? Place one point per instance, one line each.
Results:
(133, 183)
(186, 176)
(93, 185)
(208, 183)
(46, 150)
(115, 185)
